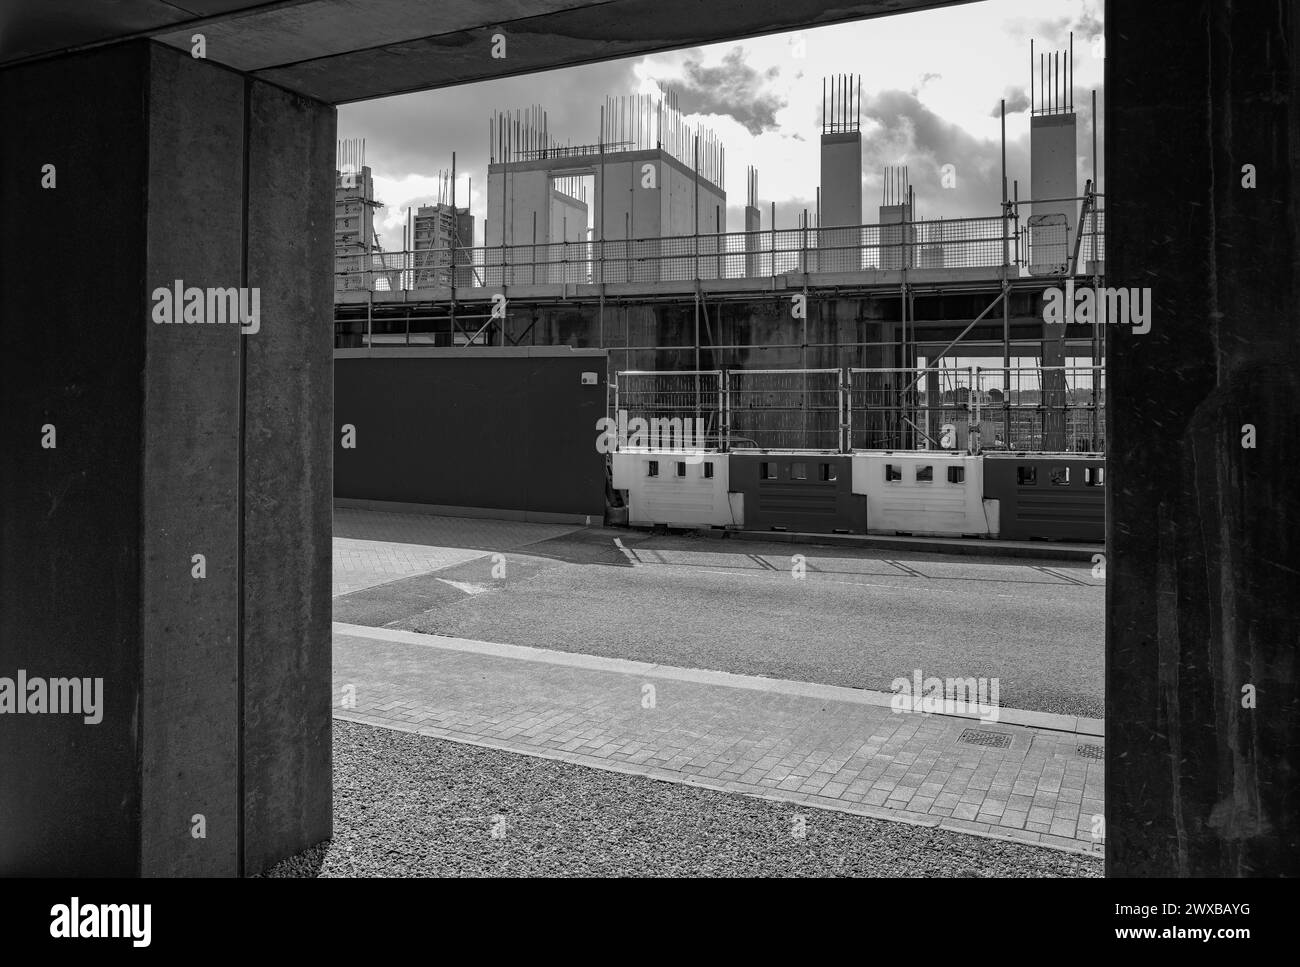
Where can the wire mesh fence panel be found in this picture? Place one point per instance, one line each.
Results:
(789, 250)
(1093, 248)
(797, 409)
(430, 268)
(946, 243)
(910, 409)
(1047, 409)
(680, 409)
(958, 243)
(1048, 240)
(839, 249)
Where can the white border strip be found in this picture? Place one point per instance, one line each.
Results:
(835, 693)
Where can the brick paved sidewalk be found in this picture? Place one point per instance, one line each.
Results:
(826, 746)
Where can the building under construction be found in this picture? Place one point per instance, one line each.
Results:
(909, 324)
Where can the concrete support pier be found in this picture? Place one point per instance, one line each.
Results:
(165, 492)
(1202, 630)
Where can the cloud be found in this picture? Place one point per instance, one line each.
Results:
(410, 137)
(764, 105)
(1017, 101)
(733, 88)
(1053, 32)
(899, 129)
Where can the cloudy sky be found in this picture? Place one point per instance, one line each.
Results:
(931, 84)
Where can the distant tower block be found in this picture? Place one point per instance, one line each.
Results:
(442, 237)
(1052, 161)
(841, 175)
(753, 225)
(897, 239)
(354, 218)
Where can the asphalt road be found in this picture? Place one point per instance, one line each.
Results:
(859, 618)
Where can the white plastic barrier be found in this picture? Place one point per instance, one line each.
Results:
(925, 492)
(675, 489)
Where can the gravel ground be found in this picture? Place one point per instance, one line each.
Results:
(410, 805)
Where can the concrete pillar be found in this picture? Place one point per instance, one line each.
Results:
(753, 242)
(1053, 162)
(1053, 159)
(172, 441)
(841, 202)
(1203, 533)
(896, 237)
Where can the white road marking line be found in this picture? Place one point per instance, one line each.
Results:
(465, 586)
(630, 555)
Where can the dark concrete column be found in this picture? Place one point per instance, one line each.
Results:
(172, 441)
(1204, 533)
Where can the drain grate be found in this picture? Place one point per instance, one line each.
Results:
(992, 740)
(1089, 751)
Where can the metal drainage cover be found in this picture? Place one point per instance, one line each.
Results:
(994, 740)
(1091, 751)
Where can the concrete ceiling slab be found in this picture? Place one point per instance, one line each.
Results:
(351, 50)
(29, 28)
(325, 28)
(33, 28)
(580, 34)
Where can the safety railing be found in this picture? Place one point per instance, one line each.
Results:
(972, 409)
(940, 244)
(1093, 248)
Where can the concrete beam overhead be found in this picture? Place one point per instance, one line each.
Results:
(351, 50)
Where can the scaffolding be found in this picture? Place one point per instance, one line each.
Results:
(853, 410)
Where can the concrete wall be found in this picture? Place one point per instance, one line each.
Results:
(172, 441)
(192, 459)
(287, 768)
(626, 203)
(71, 557)
(521, 193)
(568, 218)
(679, 203)
(511, 431)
